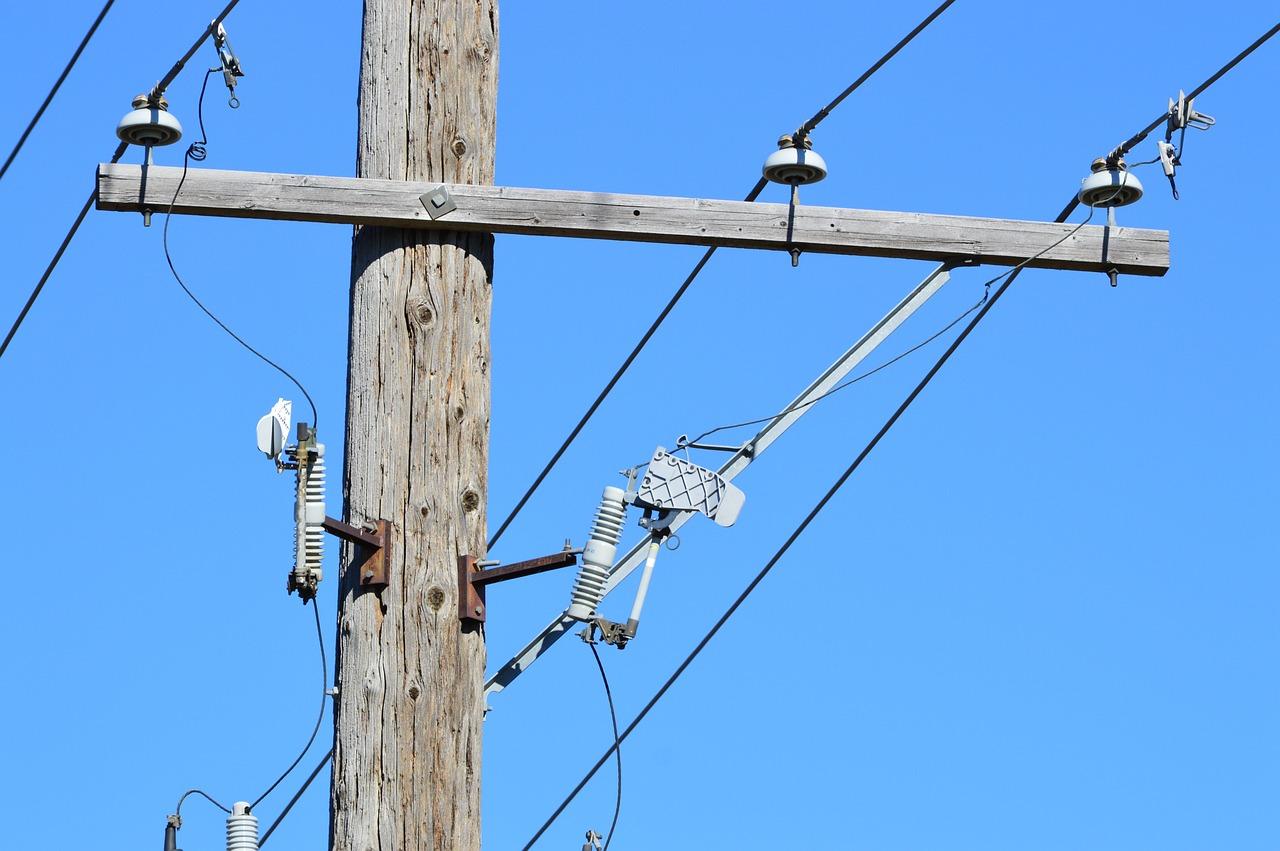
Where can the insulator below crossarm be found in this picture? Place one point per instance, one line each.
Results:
(598, 555)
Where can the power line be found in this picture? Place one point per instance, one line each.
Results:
(680, 291)
(807, 127)
(1010, 276)
(57, 255)
(53, 91)
(315, 772)
(115, 158)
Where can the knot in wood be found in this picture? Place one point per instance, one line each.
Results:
(423, 314)
(435, 597)
(414, 691)
(470, 500)
(459, 147)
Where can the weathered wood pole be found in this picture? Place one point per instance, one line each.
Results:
(406, 767)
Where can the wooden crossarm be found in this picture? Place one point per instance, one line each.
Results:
(598, 215)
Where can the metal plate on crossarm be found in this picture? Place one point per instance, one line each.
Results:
(438, 202)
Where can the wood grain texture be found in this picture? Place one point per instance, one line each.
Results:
(598, 215)
(406, 768)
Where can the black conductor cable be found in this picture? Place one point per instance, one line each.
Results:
(684, 287)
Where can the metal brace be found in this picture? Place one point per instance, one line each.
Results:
(438, 202)
(230, 64)
(372, 559)
(473, 578)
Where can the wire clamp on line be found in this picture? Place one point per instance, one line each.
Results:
(230, 64)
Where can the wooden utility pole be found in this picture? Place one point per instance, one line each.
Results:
(406, 767)
(406, 771)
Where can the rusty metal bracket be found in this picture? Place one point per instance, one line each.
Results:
(473, 580)
(372, 559)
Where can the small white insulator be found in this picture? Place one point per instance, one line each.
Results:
(242, 828)
(149, 124)
(1109, 187)
(795, 165)
(598, 555)
(309, 525)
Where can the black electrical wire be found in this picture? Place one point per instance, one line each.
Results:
(84, 42)
(807, 127)
(986, 294)
(57, 255)
(296, 797)
(1009, 276)
(324, 696)
(196, 152)
(680, 291)
(177, 811)
(617, 743)
(115, 158)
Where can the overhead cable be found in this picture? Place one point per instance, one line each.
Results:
(115, 158)
(31, 125)
(680, 291)
(57, 255)
(987, 304)
(315, 772)
(1009, 277)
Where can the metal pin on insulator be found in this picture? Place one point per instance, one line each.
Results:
(242, 828)
(598, 555)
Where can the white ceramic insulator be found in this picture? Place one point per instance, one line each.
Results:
(309, 517)
(242, 828)
(598, 555)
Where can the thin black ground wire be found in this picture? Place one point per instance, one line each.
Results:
(617, 743)
(177, 811)
(315, 772)
(57, 255)
(324, 697)
(196, 152)
(679, 293)
(986, 294)
(35, 119)
(807, 127)
(1009, 277)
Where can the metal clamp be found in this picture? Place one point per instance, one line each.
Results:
(473, 579)
(438, 201)
(372, 557)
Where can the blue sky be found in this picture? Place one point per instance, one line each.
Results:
(1041, 616)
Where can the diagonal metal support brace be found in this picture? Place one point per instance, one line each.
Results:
(372, 559)
(472, 580)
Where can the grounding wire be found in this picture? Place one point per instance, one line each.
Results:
(986, 294)
(196, 152)
(324, 697)
(115, 158)
(177, 811)
(1009, 276)
(84, 42)
(680, 291)
(617, 743)
(315, 772)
